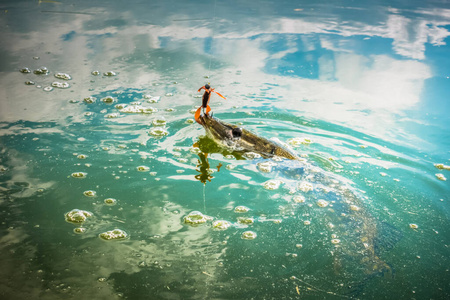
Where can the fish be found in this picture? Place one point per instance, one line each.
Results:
(240, 140)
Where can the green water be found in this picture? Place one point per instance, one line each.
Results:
(358, 91)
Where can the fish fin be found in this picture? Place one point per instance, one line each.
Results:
(197, 115)
(208, 109)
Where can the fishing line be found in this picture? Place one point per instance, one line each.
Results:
(204, 198)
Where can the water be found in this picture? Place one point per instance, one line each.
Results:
(358, 89)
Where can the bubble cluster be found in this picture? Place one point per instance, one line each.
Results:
(248, 235)
(143, 169)
(110, 201)
(159, 121)
(41, 71)
(112, 115)
(115, 234)
(120, 106)
(295, 142)
(322, 203)
(196, 218)
(77, 216)
(305, 186)
(79, 175)
(354, 207)
(299, 199)
(138, 109)
(89, 100)
(153, 99)
(245, 220)
(251, 155)
(79, 230)
(158, 132)
(89, 193)
(272, 184)
(241, 209)
(109, 73)
(266, 167)
(25, 70)
(221, 225)
(63, 76)
(108, 99)
(60, 85)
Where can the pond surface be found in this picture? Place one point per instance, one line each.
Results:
(109, 188)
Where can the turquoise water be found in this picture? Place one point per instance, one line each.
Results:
(359, 90)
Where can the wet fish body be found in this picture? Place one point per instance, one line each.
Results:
(238, 139)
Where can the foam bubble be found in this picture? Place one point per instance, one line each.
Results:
(249, 235)
(77, 216)
(335, 241)
(25, 70)
(63, 76)
(413, 226)
(251, 155)
(299, 199)
(305, 186)
(221, 225)
(30, 82)
(143, 169)
(115, 234)
(154, 100)
(112, 115)
(266, 167)
(196, 218)
(89, 193)
(272, 184)
(108, 99)
(79, 175)
(120, 106)
(159, 121)
(354, 207)
(60, 85)
(295, 142)
(322, 203)
(241, 209)
(110, 201)
(48, 89)
(89, 100)
(138, 109)
(79, 230)
(109, 73)
(41, 71)
(245, 220)
(158, 132)
(307, 222)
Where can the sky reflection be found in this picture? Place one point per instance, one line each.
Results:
(352, 68)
